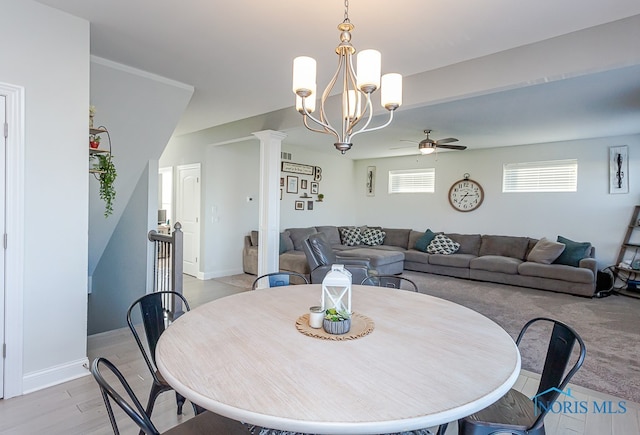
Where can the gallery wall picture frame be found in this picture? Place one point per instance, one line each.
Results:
(314, 187)
(281, 181)
(299, 205)
(280, 194)
(303, 184)
(619, 169)
(309, 205)
(292, 184)
(297, 168)
(371, 181)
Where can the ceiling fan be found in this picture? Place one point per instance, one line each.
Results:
(428, 145)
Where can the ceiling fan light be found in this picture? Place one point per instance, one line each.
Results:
(426, 148)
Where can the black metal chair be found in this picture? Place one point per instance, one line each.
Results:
(203, 423)
(390, 281)
(515, 413)
(321, 256)
(277, 279)
(155, 319)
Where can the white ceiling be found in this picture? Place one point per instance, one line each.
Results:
(238, 55)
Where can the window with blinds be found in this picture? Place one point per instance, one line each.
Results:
(412, 181)
(549, 176)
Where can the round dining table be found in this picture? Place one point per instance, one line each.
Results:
(422, 361)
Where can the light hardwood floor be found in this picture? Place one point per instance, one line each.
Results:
(76, 407)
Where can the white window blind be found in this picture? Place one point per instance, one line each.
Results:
(549, 176)
(412, 181)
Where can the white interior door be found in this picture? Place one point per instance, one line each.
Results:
(188, 214)
(3, 157)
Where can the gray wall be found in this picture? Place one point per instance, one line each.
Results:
(141, 111)
(590, 214)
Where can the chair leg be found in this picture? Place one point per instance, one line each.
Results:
(442, 429)
(197, 409)
(179, 401)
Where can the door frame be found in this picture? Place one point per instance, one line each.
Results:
(14, 253)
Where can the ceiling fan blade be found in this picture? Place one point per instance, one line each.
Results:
(447, 140)
(403, 147)
(410, 141)
(452, 147)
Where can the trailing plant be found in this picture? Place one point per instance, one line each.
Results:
(106, 176)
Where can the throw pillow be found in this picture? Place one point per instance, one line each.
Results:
(350, 236)
(423, 242)
(573, 252)
(545, 251)
(372, 236)
(442, 244)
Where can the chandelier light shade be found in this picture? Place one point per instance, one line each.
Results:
(356, 91)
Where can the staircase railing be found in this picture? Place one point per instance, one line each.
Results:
(167, 266)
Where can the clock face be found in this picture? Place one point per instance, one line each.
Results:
(466, 195)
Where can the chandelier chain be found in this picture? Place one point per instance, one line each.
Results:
(346, 12)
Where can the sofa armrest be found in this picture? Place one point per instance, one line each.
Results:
(355, 261)
(591, 264)
(247, 242)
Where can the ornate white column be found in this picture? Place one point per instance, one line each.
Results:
(269, 207)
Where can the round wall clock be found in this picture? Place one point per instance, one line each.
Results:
(466, 194)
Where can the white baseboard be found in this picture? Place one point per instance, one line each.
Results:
(55, 375)
(219, 273)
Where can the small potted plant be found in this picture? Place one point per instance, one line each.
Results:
(94, 141)
(320, 197)
(336, 322)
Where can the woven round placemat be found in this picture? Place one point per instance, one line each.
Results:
(361, 325)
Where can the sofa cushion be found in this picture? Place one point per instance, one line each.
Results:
(372, 236)
(451, 260)
(299, 235)
(504, 246)
(495, 263)
(396, 237)
(469, 243)
(545, 251)
(422, 243)
(332, 233)
(350, 236)
(442, 244)
(556, 271)
(573, 252)
(377, 257)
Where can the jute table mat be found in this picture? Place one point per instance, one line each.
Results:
(361, 325)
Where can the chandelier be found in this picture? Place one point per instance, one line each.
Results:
(356, 89)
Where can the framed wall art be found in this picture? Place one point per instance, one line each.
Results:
(619, 169)
(371, 181)
(309, 205)
(292, 184)
(314, 188)
(299, 205)
(303, 184)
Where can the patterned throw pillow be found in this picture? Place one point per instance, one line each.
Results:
(442, 244)
(373, 236)
(350, 236)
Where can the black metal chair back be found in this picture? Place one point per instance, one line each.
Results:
(515, 413)
(131, 405)
(156, 317)
(390, 281)
(278, 279)
(553, 379)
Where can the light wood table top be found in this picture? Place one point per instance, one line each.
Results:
(427, 362)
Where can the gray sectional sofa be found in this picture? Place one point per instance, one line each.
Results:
(494, 258)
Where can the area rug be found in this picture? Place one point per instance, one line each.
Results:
(610, 327)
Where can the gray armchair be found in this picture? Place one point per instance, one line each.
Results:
(321, 256)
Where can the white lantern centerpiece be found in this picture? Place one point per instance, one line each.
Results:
(336, 300)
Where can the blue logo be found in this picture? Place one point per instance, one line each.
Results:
(566, 403)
